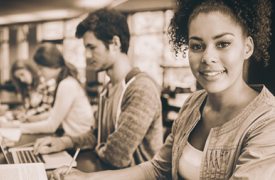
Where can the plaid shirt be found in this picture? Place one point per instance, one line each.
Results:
(42, 99)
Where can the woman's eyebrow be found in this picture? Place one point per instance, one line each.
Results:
(221, 35)
(195, 38)
(215, 37)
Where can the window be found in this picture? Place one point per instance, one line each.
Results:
(151, 52)
(4, 55)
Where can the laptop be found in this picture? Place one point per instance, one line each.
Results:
(25, 155)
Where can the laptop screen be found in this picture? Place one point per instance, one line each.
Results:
(4, 149)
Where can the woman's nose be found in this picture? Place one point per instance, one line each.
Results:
(209, 56)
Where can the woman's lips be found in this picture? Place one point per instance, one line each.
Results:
(212, 73)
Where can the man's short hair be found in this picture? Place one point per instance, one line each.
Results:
(105, 24)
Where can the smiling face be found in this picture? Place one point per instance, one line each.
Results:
(98, 57)
(24, 76)
(217, 50)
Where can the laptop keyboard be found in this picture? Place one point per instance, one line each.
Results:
(10, 158)
(27, 156)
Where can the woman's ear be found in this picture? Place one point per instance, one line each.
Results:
(249, 47)
(116, 43)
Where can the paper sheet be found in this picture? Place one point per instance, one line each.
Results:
(11, 134)
(34, 171)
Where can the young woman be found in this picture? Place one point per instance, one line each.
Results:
(24, 77)
(36, 94)
(71, 108)
(227, 130)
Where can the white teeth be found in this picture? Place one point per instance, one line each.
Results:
(212, 73)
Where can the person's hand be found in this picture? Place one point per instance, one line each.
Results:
(33, 118)
(36, 98)
(39, 117)
(49, 144)
(74, 174)
(21, 116)
(9, 125)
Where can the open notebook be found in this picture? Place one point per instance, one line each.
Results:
(34, 171)
(10, 135)
(25, 155)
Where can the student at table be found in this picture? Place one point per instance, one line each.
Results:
(227, 130)
(71, 109)
(35, 93)
(129, 123)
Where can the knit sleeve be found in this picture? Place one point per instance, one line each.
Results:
(140, 104)
(159, 168)
(85, 141)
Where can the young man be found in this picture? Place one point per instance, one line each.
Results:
(129, 126)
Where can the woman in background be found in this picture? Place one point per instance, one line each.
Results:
(71, 108)
(24, 77)
(35, 93)
(227, 130)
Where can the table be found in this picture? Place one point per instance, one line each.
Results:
(87, 160)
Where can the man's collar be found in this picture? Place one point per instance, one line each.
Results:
(132, 73)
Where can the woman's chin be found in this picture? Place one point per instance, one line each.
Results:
(214, 89)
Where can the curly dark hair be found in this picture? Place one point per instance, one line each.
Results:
(105, 24)
(252, 15)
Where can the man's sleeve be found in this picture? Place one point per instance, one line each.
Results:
(159, 168)
(84, 141)
(140, 104)
(87, 140)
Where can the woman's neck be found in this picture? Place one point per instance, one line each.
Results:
(224, 106)
(236, 96)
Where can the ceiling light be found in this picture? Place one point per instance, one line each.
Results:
(93, 3)
(38, 16)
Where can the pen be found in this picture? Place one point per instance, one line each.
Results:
(74, 158)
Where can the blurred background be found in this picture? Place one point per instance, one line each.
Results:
(26, 23)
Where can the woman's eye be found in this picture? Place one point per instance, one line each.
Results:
(196, 47)
(223, 44)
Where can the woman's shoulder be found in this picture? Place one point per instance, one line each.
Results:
(193, 102)
(69, 83)
(196, 97)
(265, 97)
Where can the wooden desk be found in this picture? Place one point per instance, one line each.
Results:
(87, 160)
